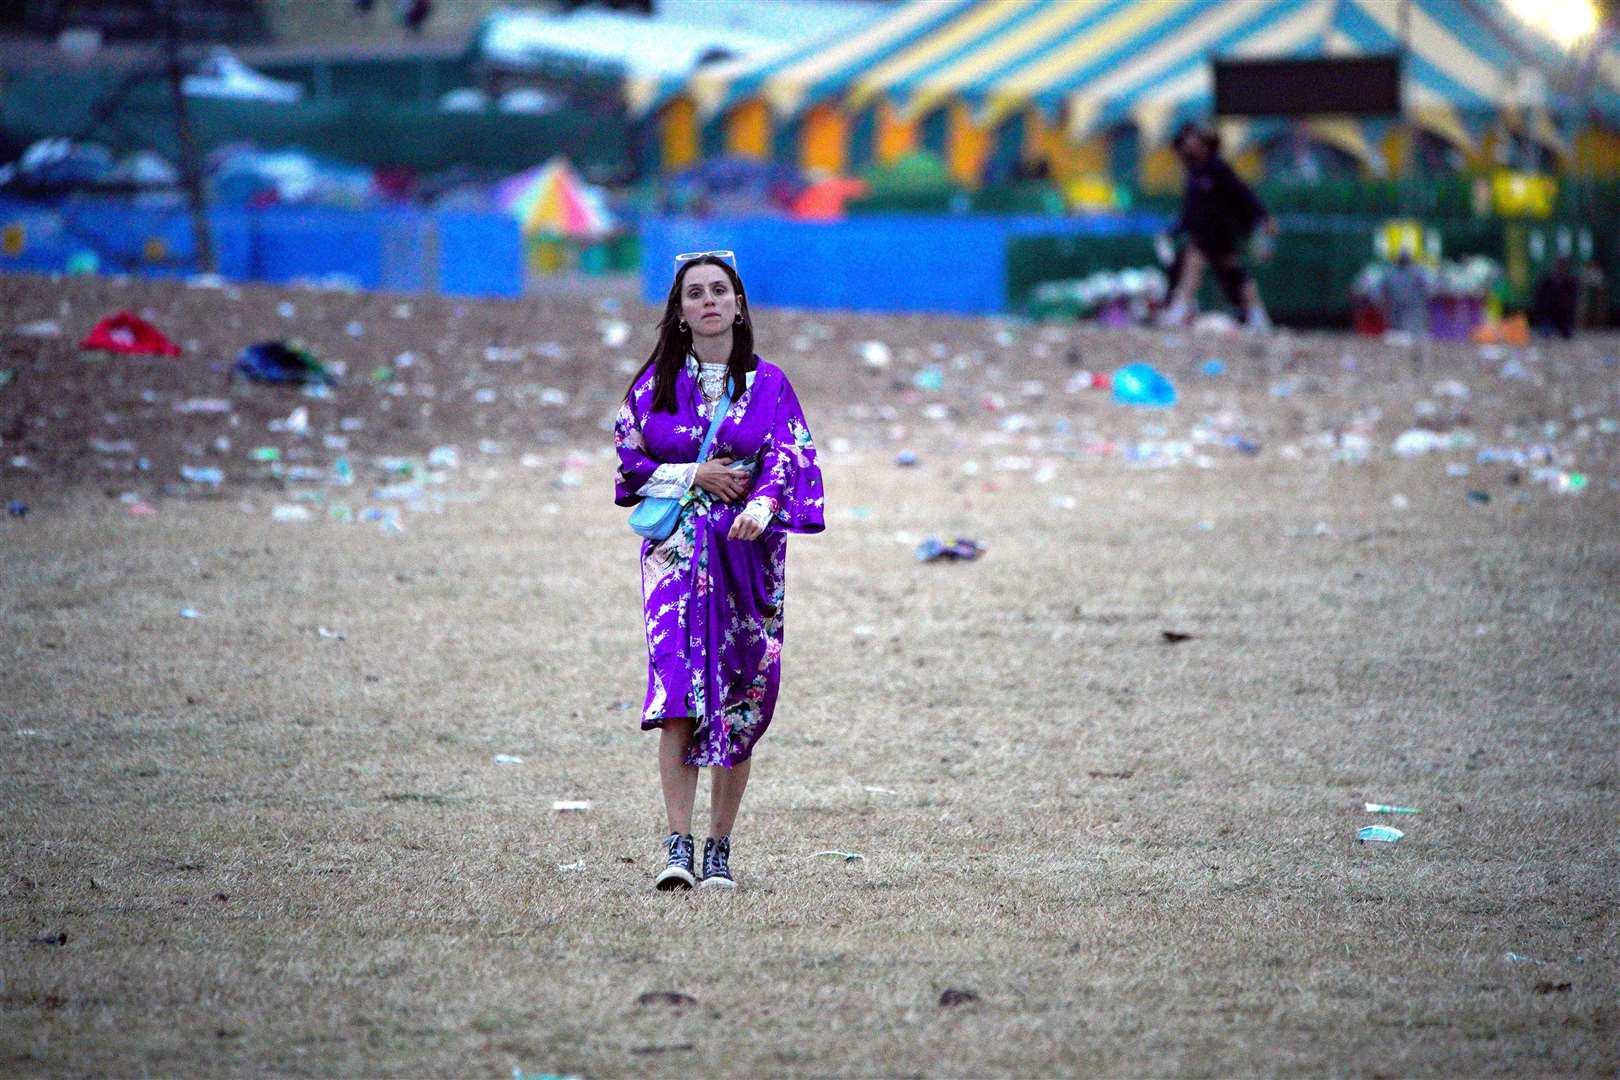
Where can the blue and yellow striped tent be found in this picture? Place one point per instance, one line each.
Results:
(985, 82)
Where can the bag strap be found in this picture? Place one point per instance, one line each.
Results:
(721, 407)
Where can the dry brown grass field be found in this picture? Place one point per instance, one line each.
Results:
(234, 845)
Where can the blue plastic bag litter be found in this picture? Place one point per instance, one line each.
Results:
(1144, 385)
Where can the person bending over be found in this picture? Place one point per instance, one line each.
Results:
(1219, 213)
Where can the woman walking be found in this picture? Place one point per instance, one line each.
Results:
(712, 589)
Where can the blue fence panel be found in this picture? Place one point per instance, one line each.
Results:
(955, 264)
(406, 250)
(292, 243)
(480, 255)
(32, 240)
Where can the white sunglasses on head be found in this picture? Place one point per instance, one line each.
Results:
(723, 254)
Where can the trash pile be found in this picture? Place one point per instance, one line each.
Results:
(1112, 297)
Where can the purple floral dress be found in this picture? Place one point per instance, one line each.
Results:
(714, 606)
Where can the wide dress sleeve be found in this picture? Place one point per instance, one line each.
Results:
(636, 468)
(788, 474)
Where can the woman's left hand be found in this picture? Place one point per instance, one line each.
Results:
(744, 527)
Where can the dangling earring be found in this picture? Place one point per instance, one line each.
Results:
(682, 324)
(739, 318)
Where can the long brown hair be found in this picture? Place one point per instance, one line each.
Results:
(674, 342)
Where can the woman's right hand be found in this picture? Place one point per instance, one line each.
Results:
(721, 482)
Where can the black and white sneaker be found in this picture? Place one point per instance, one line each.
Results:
(677, 871)
(717, 864)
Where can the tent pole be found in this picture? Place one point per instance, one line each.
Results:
(191, 175)
(1408, 132)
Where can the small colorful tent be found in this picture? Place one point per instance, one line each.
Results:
(824, 200)
(552, 200)
(130, 335)
(979, 80)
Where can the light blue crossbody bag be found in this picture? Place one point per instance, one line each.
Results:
(656, 518)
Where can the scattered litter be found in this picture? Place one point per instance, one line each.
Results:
(39, 328)
(1380, 808)
(1243, 444)
(929, 378)
(6, 375)
(934, 549)
(880, 790)
(952, 997)
(200, 474)
(665, 997)
(566, 868)
(332, 634)
(570, 806)
(295, 423)
(1479, 497)
(1552, 987)
(1514, 958)
(190, 613)
(1380, 833)
(16, 508)
(203, 405)
(1417, 441)
(1122, 774)
(387, 520)
(1174, 637)
(1213, 368)
(290, 512)
(847, 856)
(444, 457)
(265, 453)
(508, 759)
(404, 492)
(875, 354)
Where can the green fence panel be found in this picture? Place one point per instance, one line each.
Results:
(362, 131)
(1032, 260)
(1027, 198)
(1308, 277)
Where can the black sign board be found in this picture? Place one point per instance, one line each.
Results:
(1360, 85)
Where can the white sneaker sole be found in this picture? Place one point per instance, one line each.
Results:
(717, 883)
(674, 877)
